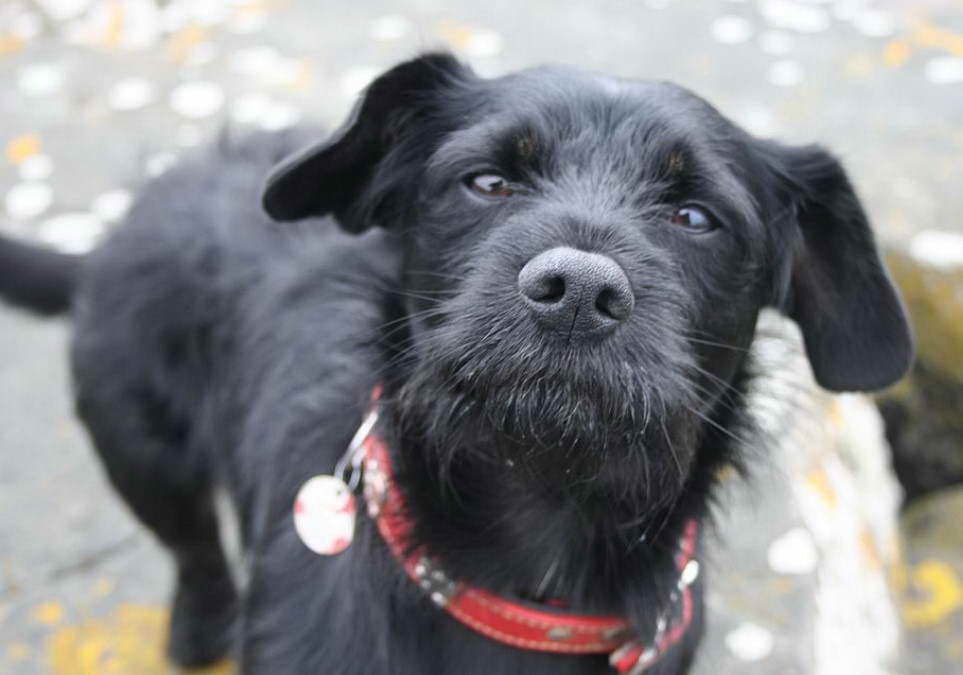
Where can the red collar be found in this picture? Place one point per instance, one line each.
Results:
(514, 622)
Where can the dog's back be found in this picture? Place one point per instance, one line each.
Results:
(195, 322)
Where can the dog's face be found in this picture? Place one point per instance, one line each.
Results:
(585, 260)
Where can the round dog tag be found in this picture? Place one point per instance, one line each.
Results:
(324, 513)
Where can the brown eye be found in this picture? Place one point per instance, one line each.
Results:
(491, 185)
(693, 218)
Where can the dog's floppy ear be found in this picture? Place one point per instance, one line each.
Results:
(330, 176)
(853, 322)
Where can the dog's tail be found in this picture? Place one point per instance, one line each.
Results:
(36, 278)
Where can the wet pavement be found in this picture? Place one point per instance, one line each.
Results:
(96, 96)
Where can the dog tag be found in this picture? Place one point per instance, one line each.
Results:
(324, 513)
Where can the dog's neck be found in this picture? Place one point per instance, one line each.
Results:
(496, 526)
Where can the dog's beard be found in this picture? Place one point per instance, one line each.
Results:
(592, 424)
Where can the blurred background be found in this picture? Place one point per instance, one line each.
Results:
(845, 555)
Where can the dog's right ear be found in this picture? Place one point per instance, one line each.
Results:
(330, 176)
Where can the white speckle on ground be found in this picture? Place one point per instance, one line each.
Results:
(390, 28)
(483, 44)
(279, 116)
(76, 232)
(197, 99)
(112, 205)
(40, 79)
(60, 10)
(266, 64)
(786, 73)
(36, 167)
(793, 553)
(875, 22)
(758, 120)
(357, 78)
(797, 16)
(28, 200)
(257, 61)
(159, 163)
(750, 642)
(945, 69)
(131, 93)
(937, 248)
(249, 108)
(731, 30)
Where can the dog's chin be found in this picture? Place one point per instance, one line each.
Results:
(583, 435)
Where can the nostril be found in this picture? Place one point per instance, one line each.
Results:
(613, 304)
(547, 289)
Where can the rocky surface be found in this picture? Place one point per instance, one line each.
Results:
(924, 413)
(811, 572)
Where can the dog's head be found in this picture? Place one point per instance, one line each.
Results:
(585, 258)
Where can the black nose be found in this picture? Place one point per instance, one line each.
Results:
(574, 292)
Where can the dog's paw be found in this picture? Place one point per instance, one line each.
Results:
(202, 625)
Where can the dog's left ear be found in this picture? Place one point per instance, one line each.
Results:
(329, 177)
(852, 319)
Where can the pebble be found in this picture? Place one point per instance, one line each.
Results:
(112, 205)
(36, 167)
(61, 10)
(249, 108)
(197, 99)
(938, 248)
(786, 73)
(793, 553)
(801, 17)
(131, 93)
(257, 61)
(758, 120)
(944, 69)
(483, 44)
(266, 113)
(40, 79)
(750, 642)
(28, 199)
(357, 78)
(279, 116)
(158, 163)
(731, 30)
(390, 28)
(875, 22)
(75, 232)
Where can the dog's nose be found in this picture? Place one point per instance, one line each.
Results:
(575, 292)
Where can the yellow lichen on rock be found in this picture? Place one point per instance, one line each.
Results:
(935, 298)
(128, 642)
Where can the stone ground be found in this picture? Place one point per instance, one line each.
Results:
(97, 95)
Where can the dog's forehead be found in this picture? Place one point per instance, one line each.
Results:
(577, 98)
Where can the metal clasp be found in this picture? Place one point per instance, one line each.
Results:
(349, 466)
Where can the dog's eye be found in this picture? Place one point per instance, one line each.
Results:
(693, 218)
(490, 185)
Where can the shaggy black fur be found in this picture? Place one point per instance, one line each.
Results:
(215, 347)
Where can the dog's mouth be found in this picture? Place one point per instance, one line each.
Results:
(586, 418)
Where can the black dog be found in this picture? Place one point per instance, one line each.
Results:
(557, 305)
